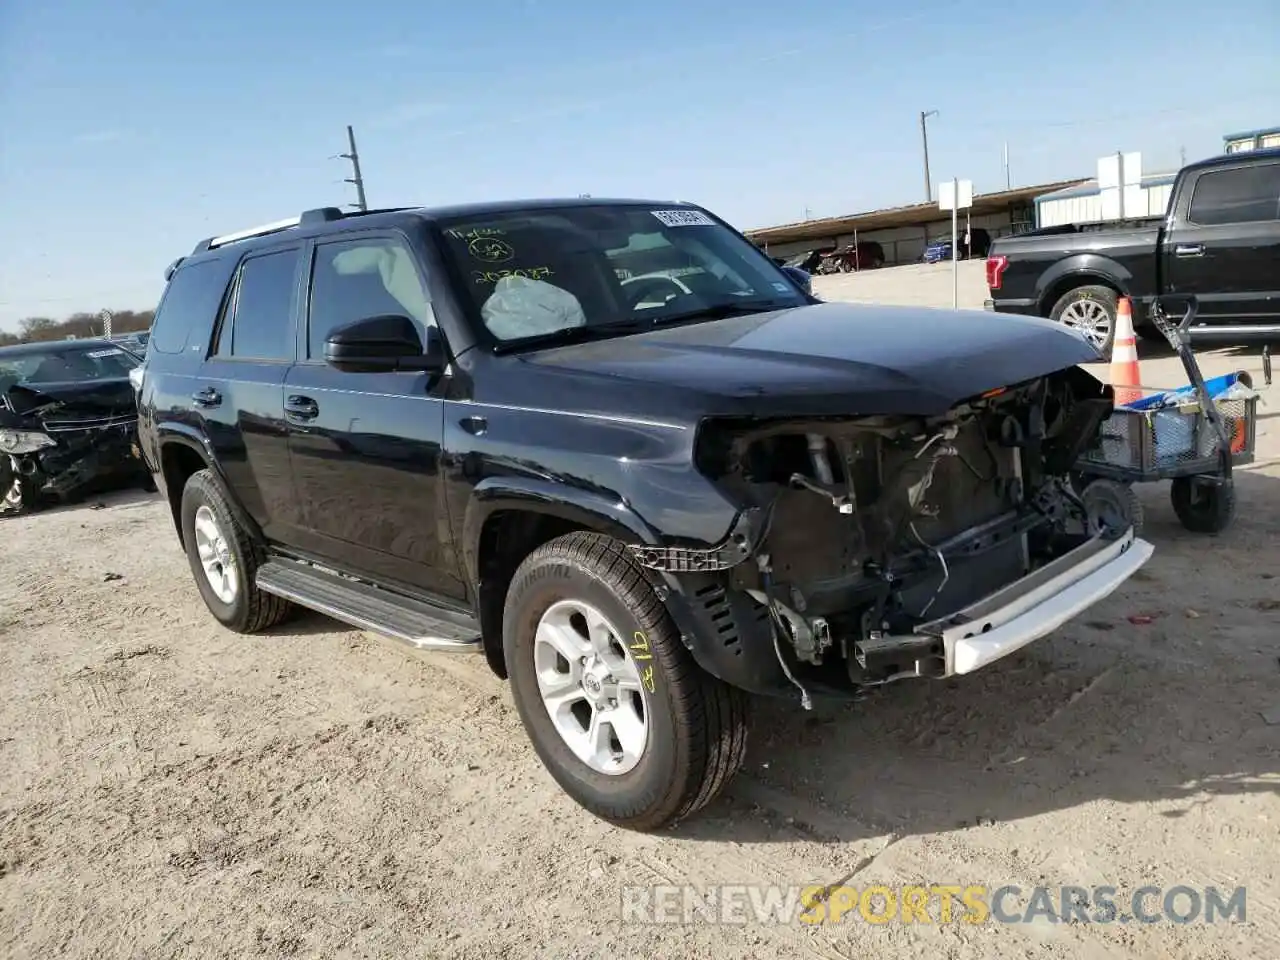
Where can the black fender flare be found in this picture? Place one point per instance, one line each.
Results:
(182, 434)
(613, 516)
(592, 510)
(1082, 266)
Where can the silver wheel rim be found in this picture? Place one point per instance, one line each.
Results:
(1089, 317)
(215, 556)
(592, 687)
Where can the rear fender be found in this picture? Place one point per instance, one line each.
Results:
(1081, 269)
(180, 434)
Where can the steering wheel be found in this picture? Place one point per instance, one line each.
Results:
(653, 290)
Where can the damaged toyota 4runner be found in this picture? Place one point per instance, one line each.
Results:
(616, 449)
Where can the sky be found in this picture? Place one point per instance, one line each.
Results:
(130, 130)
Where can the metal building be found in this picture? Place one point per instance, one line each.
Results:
(1251, 140)
(904, 232)
(1083, 203)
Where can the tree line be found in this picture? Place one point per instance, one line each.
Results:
(35, 329)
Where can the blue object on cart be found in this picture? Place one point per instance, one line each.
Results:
(1172, 398)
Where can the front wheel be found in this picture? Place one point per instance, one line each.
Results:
(618, 712)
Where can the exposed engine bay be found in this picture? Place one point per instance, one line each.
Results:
(868, 536)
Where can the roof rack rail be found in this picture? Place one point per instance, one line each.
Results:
(323, 215)
(307, 217)
(260, 231)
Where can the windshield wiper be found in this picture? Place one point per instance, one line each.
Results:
(622, 328)
(720, 311)
(578, 334)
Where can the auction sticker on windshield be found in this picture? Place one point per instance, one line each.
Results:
(683, 218)
(99, 354)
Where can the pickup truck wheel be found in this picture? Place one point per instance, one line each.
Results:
(617, 710)
(1091, 310)
(225, 558)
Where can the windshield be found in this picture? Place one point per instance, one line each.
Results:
(59, 363)
(532, 273)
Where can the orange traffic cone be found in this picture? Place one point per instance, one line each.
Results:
(1124, 375)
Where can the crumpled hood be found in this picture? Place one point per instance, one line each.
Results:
(74, 399)
(857, 359)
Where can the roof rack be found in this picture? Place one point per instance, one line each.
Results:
(306, 218)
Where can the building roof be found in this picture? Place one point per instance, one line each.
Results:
(907, 216)
(1090, 187)
(1252, 134)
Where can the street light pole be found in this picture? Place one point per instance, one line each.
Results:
(924, 140)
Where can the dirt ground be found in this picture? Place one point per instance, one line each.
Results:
(170, 789)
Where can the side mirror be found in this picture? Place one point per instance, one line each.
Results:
(802, 279)
(382, 344)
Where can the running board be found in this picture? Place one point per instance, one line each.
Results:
(421, 625)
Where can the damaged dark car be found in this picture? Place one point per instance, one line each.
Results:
(618, 451)
(68, 422)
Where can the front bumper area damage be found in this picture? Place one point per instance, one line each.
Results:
(77, 455)
(875, 549)
(1011, 618)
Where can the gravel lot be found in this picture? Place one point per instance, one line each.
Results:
(170, 789)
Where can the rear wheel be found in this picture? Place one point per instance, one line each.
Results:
(224, 559)
(1090, 310)
(617, 710)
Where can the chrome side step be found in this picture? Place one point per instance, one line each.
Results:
(419, 624)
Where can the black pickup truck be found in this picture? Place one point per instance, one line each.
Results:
(618, 451)
(1219, 240)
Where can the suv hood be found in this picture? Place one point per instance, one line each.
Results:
(833, 358)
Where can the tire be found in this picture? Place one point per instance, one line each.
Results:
(1087, 296)
(249, 609)
(1114, 504)
(696, 724)
(1203, 507)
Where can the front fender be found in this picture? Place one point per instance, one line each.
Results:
(592, 510)
(743, 657)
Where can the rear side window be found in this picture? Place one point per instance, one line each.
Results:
(259, 319)
(1241, 195)
(190, 301)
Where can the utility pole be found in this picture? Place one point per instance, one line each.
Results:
(924, 139)
(1008, 183)
(355, 166)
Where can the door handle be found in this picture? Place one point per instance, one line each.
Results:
(208, 397)
(476, 426)
(1189, 250)
(302, 408)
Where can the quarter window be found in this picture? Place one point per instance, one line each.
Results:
(259, 321)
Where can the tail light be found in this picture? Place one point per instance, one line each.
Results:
(995, 271)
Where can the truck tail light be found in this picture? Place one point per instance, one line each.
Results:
(995, 271)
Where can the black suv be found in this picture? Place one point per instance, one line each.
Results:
(615, 448)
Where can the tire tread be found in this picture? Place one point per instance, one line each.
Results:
(713, 716)
(264, 609)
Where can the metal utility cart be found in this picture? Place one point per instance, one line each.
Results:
(1185, 436)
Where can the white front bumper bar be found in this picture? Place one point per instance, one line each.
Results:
(1038, 604)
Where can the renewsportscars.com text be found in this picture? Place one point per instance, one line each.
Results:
(930, 904)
